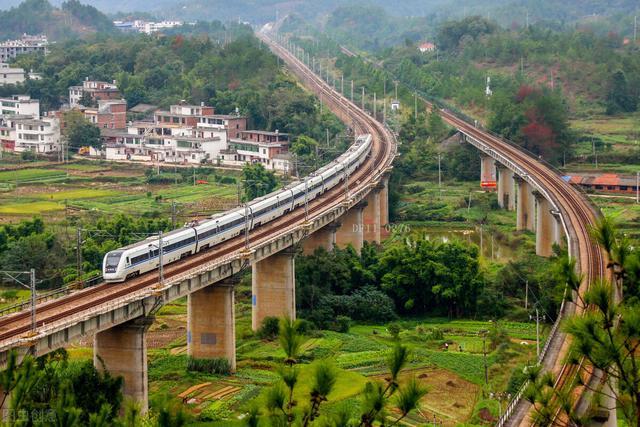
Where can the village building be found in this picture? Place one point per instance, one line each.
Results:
(95, 90)
(10, 49)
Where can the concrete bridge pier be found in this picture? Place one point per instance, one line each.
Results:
(544, 226)
(323, 238)
(384, 206)
(506, 188)
(558, 232)
(487, 169)
(123, 351)
(351, 232)
(211, 322)
(371, 216)
(273, 287)
(525, 205)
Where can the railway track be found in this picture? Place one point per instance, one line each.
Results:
(579, 217)
(17, 325)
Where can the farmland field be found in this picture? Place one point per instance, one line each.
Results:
(99, 187)
(27, 175)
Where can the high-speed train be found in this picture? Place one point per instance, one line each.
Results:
(141, 257)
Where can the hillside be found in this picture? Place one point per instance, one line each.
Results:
(608, 13)
(40, 17)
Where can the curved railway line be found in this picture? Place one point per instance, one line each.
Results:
(577, 213)
(578, 216)
(18, 324)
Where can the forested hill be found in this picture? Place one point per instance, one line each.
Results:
(40, 17)
(259, 11)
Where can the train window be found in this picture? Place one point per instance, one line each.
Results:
(208, 233)
(113, 259)
(139, 258)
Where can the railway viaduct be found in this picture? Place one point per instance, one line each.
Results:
(118, 316)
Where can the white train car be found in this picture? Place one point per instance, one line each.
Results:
(143, 257)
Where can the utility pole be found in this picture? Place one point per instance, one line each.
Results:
(79, 253)
(374, 106)
(415, 106)
(246, 226)
(32, 283)
(637, 187)
(13, 275)
(483, 332)
(384, 101)
(439, 171)
(342, 84)
(173, 215)
(160, 256)
(538, 318)
(526, 295)
(351, 90)
(362, 98)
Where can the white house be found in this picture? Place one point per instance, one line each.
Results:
(41, 136)
(21, 105)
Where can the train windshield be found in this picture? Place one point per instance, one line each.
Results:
(113, 258)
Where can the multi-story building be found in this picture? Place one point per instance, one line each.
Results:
(110, 114)
(255, 146)
(13, 76)
(145, 26)
(20, 105)
(27, 44)
(96, 90)
(41, 136)
(194, 134)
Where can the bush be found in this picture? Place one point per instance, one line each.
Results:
(269, 328)
(28, 156)
(435, 334)
(227, 180)
(394, 329)
(10, 294)
(218, 365)
(367, 304)
(305, 327)
(342, 324)
(165, 178)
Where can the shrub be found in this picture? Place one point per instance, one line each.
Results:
(227, 180)
(305, 327)
(10, 294)
(269, 328)
(169, 178)
(342, 324)
(218, 365)
(28, 156)
(366, 304)
(394, 329)
(435, 334)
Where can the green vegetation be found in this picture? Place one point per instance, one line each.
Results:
(257, 181)
(79, 131)
(605, 336)
(39, 17)
(31, 175)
